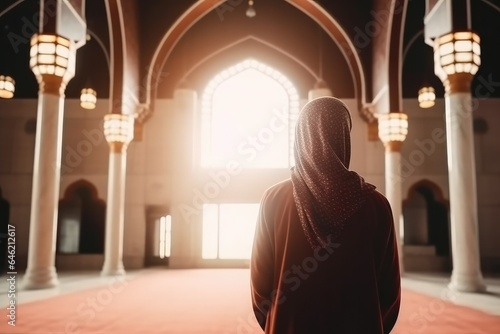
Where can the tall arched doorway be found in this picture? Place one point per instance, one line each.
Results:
(248, 115)
(426, 228)
(81, 220)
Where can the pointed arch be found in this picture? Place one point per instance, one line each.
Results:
(424, 183)
(81, 220)
(232, 71)
(260, 41)
(434, 216)
(117, 55)
(202, 7)
(72, 190)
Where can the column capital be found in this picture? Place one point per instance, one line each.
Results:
(393, 146)
(117, 147)
(458, 83)
(51, 84)
(119, 131)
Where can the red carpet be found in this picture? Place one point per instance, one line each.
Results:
(205, 301)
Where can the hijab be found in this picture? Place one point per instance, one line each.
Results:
(325, 191)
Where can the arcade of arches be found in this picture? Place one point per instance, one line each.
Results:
(195, 118)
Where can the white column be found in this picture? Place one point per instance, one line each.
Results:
(393, 192)
(119, 131)
(52, 60)
(113, 256)
(466, 275)
(457, 56)
(392, 130)
(41, 271)
(186, 211)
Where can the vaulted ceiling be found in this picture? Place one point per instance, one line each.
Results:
(280, 35)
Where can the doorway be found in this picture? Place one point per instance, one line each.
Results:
(158, 239)
(426, 228)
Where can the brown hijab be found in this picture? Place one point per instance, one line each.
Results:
(325, 191)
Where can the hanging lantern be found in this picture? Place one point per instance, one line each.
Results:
(7, 87)
(88, 98)
(52, 55)
(426, 97)
(119, 128)
(250, 10)
(457, 52)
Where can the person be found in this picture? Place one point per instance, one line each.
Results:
(324, 258)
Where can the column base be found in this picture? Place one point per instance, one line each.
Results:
(113, 271)
(40, 278)
(467, 283)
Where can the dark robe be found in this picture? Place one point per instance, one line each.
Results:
(350, 286)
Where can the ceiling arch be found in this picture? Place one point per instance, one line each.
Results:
(198, 74)
(338, 35)
(116, 31)
(201, 8)
(299, 62)
(395, 51)
(9, 8)
(168, 42)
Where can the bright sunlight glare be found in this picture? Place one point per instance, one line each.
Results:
(246, 117)
(228, 230)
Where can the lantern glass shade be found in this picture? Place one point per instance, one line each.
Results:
(88, 98)
(457, 52)
(250, 10)
(7, 87)
(119, 128)
(52, 55)
(426, 97)
(393, 127)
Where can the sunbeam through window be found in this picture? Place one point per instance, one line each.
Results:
(248, 113)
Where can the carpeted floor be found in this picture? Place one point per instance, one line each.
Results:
(204, 301)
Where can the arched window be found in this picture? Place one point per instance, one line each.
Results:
(248, 115)
(81, 220)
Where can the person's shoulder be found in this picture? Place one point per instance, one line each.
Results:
(377, 196)
(374, 199)
(280, 189)
(380, 204)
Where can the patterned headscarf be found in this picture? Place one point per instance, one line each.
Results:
(325, 191)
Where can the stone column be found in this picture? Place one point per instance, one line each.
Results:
(393, 191)
(462, 48)
(119, 132)
(393, 128)
(53, 62)
(466, 275)
(187, 204)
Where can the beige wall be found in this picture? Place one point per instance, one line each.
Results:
(426, 138)
(158, 176)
